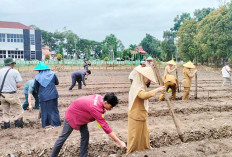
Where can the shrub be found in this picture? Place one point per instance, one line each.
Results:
(47, 57)
(106, 59)
(59, 57)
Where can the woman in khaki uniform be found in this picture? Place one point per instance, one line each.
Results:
(187, 79)
(170, 68)
(138, 135)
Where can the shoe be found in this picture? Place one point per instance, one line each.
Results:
(6, 125)
(19, 123)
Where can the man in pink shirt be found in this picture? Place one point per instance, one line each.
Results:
(82, 111)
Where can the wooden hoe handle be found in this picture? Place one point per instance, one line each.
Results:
(160, 80)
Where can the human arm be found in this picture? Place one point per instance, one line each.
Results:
(83, 79)
(18, 85)
(29, 101)
(146, 95)
(18, 80)
(191, 75)
(117, 140)
(56, 80)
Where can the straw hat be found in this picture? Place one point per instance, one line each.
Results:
(149, 58)
(189, 64)
(41, 66)
(171, 62)
(146, 72)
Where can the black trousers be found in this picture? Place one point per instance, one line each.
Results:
(67, 130)
(74, 80)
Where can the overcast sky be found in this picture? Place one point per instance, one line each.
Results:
(129, 20)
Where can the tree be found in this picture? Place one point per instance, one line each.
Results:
(179, 20)
(215, 35)
(199, 14)
(186, 43)
(151, 45)
(168, 46)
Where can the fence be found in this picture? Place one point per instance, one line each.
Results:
(74, 62)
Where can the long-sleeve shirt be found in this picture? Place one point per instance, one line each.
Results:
(80, 75)
(187, 78)
(87, 109)
(49, 92)
(138, 111)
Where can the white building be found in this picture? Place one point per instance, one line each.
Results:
(19, 41)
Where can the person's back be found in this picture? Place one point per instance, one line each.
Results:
(29, 86)
(79, 73)
(13, 77)
(226, 71)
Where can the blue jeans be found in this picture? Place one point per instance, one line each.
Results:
(67, 130)
(25, 104)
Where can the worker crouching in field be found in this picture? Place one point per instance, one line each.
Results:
(170, 81)
(79, 76)
(29, 92)
(83, 111)
(45, 86)
(138, 135)
(187, 79)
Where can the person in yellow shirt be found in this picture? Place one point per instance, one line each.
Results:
(170, 67)
(138, 135)
(187, 79)
(170, 81)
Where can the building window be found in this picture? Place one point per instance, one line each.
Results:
(32, 39)
(33, 55)
(2, 54)
(16, 38)
(2, 37)
(16, 54)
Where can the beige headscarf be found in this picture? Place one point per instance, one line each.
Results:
(142, 75)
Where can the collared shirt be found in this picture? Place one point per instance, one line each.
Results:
(29, 87)
(13, 77)
(87, 109)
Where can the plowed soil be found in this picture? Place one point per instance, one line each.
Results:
(205, 122)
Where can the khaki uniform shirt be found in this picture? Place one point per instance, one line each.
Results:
(168, 71)
(170, 78)
(187, 78)
(138, 111)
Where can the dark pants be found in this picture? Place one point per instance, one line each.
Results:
(74, 80)
(67, 130)
(36, 97)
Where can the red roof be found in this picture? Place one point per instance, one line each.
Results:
(46, 52)
(139, 49)
(17, 25)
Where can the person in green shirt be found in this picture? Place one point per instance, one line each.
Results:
(29, 92)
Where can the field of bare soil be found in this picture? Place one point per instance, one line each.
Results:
(205, 122)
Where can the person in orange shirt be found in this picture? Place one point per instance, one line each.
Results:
(187, 79)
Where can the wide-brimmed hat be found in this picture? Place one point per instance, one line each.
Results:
(146, 72)
(172, 62)
(149, 58)
(41, 66)
(9, 61)
(189, 64)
